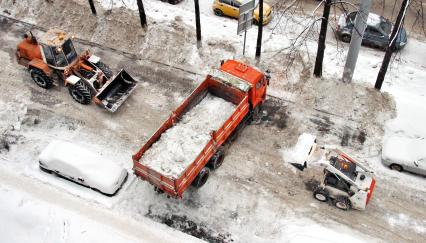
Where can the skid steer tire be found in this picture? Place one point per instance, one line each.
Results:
(201, 178)
(105, 69)
(40, 78)
(320, 194)
(343, 203)
(216, 160)
(80, 93)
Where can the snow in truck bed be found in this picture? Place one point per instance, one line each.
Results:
(178, 147)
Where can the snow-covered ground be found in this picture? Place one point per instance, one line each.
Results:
(27, 219)
(254, 197)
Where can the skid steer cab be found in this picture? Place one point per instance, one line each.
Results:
(346, 183)
(85, 75)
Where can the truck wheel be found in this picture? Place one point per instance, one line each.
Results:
(320, 194)
(80, 93)
(40, 78)
(255, 114)
(216, 160)
(201, 178)
(342, 202)
(158, 190)
(105, 69)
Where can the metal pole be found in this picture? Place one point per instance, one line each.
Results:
(390, 49)
(356, 39)
(321, 40)
(244, 47)
(92, 7)
(259, 30)
(197, 20)
(142, 13)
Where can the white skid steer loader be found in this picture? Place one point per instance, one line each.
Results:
(347, 183)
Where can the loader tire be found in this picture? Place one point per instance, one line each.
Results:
(343, 203)
(105, 69)
(40, 78)
(320, 194)
(201, 178)
(216, 160)
(80, 93)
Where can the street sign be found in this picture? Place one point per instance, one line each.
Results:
(245, 20)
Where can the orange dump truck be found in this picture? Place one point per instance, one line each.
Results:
(191, 141)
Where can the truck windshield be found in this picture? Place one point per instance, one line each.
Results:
(69, 51)
(231, 80)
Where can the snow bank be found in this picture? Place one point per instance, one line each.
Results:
(299, 153)
(24, 219)
(304, 230)
(178, 147)
(75, 161)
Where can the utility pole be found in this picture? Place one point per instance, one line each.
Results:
(391, 47)
(92, 7)
(356, 40)
(197, 21)
(259, 30)
(321, 41)
(142, 14)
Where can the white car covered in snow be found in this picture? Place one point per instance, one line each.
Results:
(405, 154)
(83, 166)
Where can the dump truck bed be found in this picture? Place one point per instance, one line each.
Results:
(185, 142)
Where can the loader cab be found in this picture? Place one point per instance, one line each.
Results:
(58, 49)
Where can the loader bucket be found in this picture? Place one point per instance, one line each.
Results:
(116, 91)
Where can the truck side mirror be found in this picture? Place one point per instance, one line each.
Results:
(267, 76)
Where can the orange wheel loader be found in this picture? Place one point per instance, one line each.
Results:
(85, 75)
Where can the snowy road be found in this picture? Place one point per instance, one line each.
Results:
(255, 196)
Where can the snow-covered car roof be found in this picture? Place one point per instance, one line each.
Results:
(97, 171)
(373, 19)
(400, 149)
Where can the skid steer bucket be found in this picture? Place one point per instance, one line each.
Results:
(116, 91)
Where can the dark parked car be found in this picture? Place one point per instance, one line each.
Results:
(377, 33)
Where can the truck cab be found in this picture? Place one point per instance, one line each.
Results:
(255, 81)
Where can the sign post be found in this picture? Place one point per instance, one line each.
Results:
(245, 20)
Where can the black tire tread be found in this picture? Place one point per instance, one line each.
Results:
(83, 90)
(105, 69)
(321, 190)
(47, 79)
(345, 200)
(198, 181)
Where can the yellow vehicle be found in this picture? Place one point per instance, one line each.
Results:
(231, 8)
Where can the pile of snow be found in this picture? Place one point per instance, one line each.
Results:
(178, 147)
(78, 162)
(299, 153)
